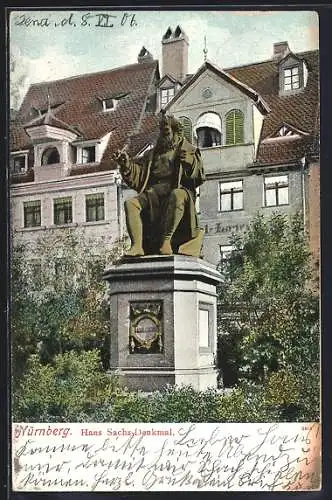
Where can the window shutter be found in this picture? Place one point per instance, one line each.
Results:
(187, 127)
(234, 127)
(238, 126)
(229, 128)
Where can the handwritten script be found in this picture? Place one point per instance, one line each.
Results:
(157, 457)
(75, 19)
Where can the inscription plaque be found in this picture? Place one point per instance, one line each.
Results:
(145, 335)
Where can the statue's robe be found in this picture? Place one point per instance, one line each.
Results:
(137, 175)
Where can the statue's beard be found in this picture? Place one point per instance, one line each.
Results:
(164, 144)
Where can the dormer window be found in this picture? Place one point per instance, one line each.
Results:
(293, 74)
(109, 104)
(291, 78)
(110, 101)
(50, 156)
(19, 163)
(166, 95)
(90, 151)
(88, 154)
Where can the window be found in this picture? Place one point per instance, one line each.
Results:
(207, 137)
(50, 156)
(231, 196)
(291, 78)
(62, 211)
(225, 253)
(234, 127)
(276, 190)
(32, 213)
(19, 164)
(94, 204)
(208, 130)
(197, 201)
(109, 104)
(187, 128)
(166, 95)
(88, 155)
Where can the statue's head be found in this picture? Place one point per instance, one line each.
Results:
(171, 132)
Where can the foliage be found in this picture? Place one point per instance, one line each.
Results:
(71, 388)
(265, 305)
(18, 78)
(75, 388)
(59, 300)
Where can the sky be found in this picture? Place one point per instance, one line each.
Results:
(53, 44)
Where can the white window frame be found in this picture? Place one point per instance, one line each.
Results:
(94, 196)
(79, 152)
(57, 200)
(106, 108)
(32, 204)
(166, 93)
(292, 74)
(275, 185)
(237, 187)
(224, 255)
(20, 154)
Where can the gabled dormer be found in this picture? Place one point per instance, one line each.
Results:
(285, 132)
(168, 86)
(292, 73)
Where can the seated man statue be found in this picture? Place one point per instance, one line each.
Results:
(162, 218)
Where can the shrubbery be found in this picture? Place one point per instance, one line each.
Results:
(75, 388)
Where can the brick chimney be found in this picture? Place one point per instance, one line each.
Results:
(175, 53)
(280, 50)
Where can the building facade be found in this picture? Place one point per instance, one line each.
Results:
(256, 126)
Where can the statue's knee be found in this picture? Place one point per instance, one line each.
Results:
(132, 203)
(178, 196)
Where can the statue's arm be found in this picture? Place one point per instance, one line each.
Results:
(132, 172)
(192, 163)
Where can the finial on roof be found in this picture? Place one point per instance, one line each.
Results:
(205, 50)
(48, 102)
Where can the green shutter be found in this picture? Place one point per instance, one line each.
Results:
(230, 128)
(187, 127)
(234, 127)
(238, 126)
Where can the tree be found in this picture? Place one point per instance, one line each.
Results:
(59, 300)
(18, 78)
(268, 316)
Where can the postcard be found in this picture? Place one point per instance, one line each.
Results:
(165, 250)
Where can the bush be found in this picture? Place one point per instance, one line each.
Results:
(72, 388)
(76, 389)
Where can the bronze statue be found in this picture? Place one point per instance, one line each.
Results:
(162, 218)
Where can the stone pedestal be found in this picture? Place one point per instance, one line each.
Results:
(163, 321)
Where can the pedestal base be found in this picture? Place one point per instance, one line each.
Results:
(163, 322)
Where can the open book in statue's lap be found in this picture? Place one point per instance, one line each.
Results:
(162, 218)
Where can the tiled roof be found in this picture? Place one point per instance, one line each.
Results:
(299, 110)
(82, 109)
(228, 77)
(49, 119)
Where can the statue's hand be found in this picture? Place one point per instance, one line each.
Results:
(186, 157)
(121, 158)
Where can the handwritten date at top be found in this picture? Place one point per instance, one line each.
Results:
(98, 20)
